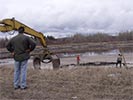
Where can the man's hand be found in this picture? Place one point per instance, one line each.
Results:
(12, 53)
(28, 50)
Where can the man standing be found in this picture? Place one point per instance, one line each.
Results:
(20, 46)
(119, 60)
(78, 59)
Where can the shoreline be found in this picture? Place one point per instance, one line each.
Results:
(71, 60)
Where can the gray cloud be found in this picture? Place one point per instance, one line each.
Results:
(71, 16)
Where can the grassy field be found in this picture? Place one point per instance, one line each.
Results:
(70, 84)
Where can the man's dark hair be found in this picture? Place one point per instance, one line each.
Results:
(21, 29)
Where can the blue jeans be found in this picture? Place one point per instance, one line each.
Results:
(20, 73)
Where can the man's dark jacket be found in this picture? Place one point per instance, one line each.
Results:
(20, 45)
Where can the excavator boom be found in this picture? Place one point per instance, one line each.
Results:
(12, 24)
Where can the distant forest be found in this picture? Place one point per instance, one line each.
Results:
(98, 37)
(80, 38)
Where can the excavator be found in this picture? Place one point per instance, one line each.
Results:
(44, 56)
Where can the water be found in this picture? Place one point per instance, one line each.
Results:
(111, 52)
(8, 61)
(94, 53)
(98, 55)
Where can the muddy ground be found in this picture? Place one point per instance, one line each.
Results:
(86, 58)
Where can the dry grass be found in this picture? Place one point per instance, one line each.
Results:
(70, 84)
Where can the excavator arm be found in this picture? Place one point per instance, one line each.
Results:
(7, 25)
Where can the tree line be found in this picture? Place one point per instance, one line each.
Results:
(3, 42)
(98, 37)
(81, 38)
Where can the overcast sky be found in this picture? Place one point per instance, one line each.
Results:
(71, 16)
